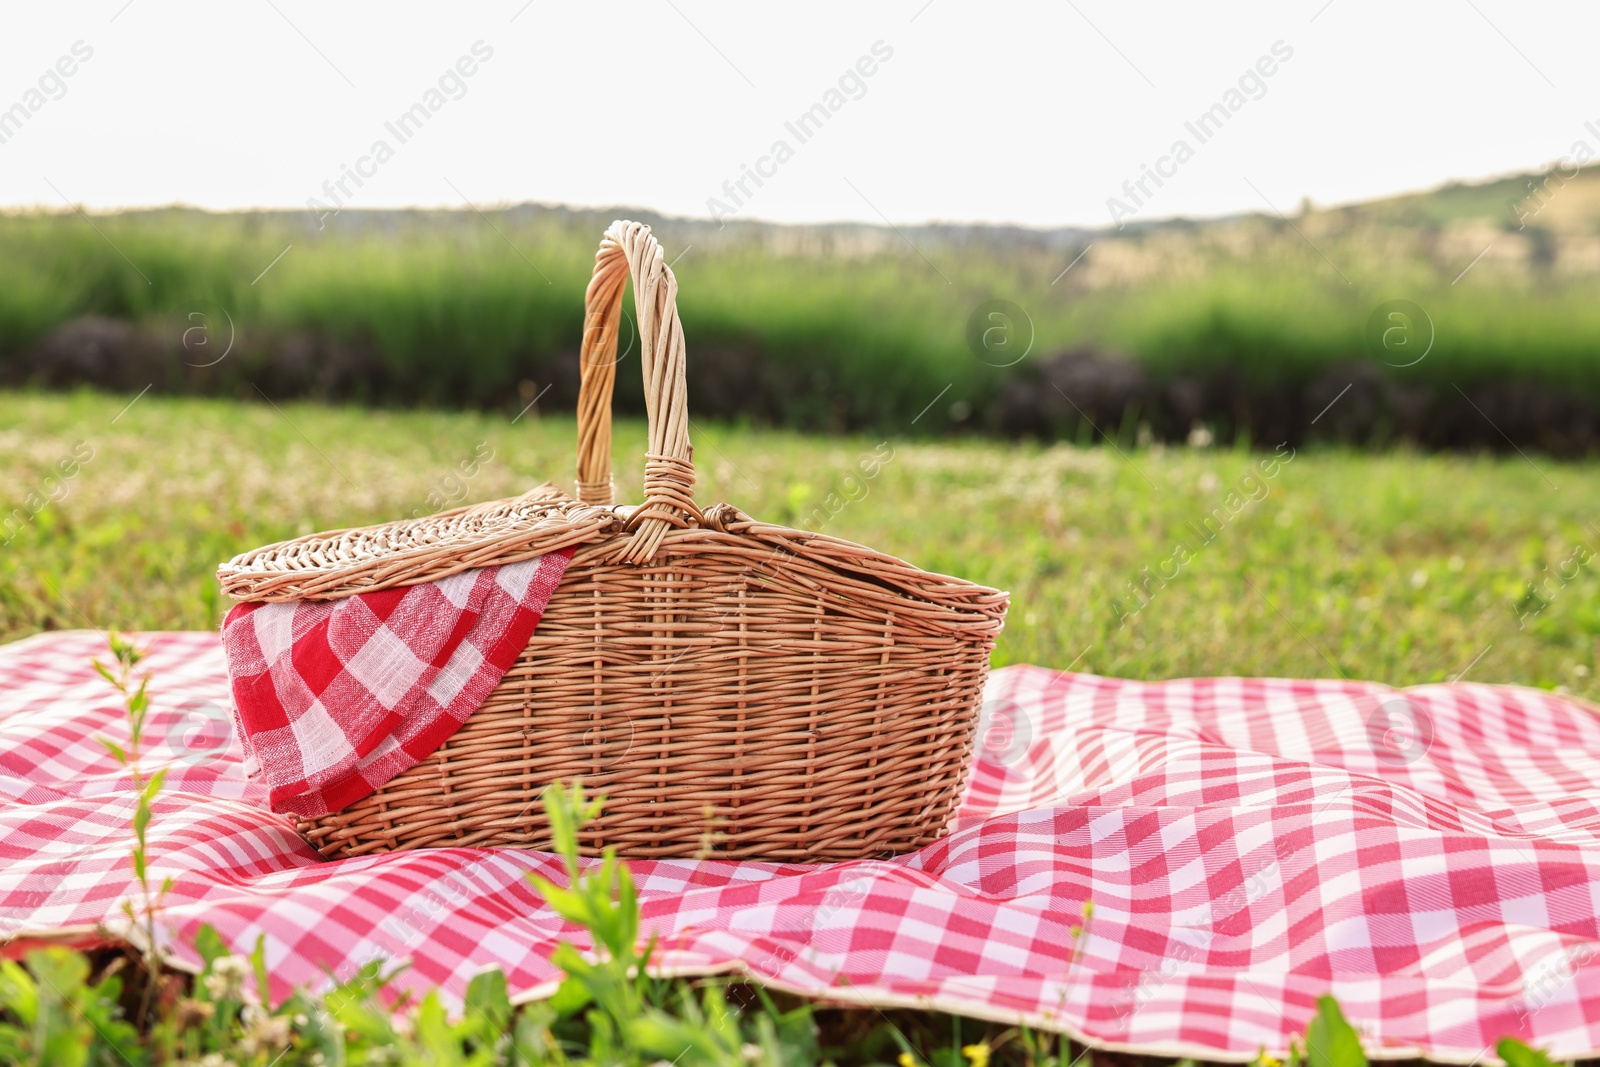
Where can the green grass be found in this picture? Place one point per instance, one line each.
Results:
(453, 310)
(1397, 567)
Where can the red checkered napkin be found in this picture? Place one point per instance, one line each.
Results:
(334, 698)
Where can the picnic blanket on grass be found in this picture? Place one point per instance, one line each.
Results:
(1429, 856)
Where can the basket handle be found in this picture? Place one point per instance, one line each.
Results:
(629, 249)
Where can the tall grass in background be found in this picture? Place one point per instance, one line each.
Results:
(452, 309)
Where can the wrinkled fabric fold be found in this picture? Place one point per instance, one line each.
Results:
(334, 698)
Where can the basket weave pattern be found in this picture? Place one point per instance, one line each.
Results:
(735, 688)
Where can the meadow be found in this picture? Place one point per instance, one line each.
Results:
(1399, 567)
(1238, 324)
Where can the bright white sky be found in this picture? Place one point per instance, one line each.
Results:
(998, 112)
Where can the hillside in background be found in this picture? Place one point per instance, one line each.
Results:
(1461, 317)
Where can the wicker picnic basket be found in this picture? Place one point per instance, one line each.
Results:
(733, 687)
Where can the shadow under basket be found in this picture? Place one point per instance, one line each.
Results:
(734, 688)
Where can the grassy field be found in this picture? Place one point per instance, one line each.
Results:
(823, 328)
(1397, 567)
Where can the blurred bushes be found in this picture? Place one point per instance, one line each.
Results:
(824, 328)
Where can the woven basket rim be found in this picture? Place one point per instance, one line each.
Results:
(332, 564)
(335, 564)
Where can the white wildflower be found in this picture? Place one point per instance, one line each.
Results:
(226, 980)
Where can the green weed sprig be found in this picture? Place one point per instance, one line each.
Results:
(136, 699)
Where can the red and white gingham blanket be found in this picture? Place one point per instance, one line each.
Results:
(1431, 856)
(335, 697)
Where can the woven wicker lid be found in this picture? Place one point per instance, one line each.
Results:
(341, 563)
